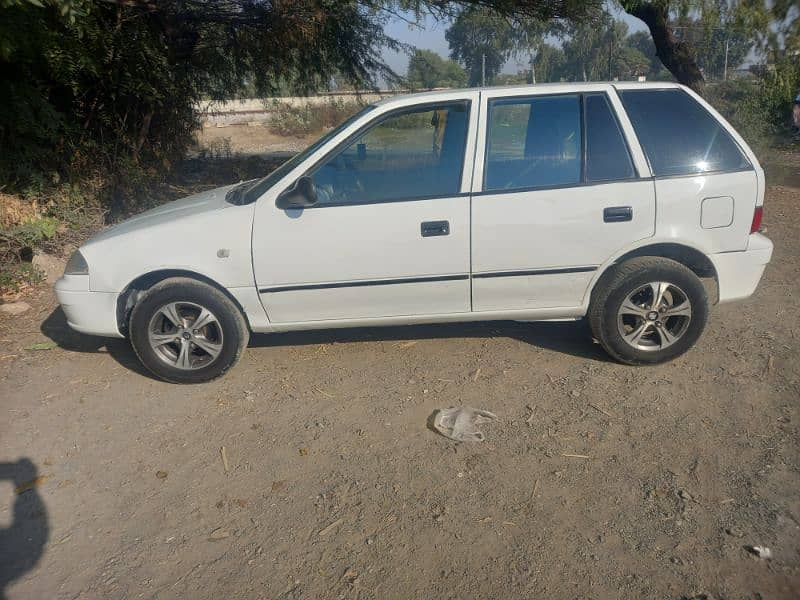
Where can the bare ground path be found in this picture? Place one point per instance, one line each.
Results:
(599, 481)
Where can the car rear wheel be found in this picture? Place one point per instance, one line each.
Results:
(648, 310)
(186, 331)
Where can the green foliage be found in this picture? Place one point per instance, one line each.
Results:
(586, 50)
(643, 42)
(550, 63)
(589, 47)
(480, 39)
(428, 70)
(99, 83)
(34, 231)
(15, 276)
(760, 108)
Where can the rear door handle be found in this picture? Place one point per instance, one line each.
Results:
(432, 228)
(617, 214)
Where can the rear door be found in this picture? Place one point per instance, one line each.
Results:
(557, 191)
(389, 235)
(706, 185)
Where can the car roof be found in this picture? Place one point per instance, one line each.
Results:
(557, 87)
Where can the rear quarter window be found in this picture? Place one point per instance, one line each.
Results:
(678, 135)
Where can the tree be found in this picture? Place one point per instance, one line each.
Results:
(482, 41)
(717, 32)
(107, 83)
(550, 63)
(594, 51)
(643, 42)
(675, 54)
(629, 63)
(428, 70)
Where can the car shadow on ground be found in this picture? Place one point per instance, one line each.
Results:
(22, 542)
(571, 337)
(55, 328)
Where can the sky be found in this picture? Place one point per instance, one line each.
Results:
(431, 37)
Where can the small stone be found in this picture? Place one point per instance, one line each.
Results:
(350, 576)
(685, 495)
(51, 266)
(14, 308)
(734, 531)
(219, 533)
(161, 474)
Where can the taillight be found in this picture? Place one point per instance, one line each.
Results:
(758, 214)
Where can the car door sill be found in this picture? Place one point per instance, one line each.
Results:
(538, 314)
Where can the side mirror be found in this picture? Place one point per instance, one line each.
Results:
(300, 195)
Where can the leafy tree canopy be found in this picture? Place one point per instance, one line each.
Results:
(428, 70)
(90, 83)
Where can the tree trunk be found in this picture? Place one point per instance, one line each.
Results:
(675, 55)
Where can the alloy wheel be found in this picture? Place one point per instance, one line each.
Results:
(654, 316)
(185, 335)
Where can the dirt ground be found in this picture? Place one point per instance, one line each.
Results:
(255, 139)
(598, 481)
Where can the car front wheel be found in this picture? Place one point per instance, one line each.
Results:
(648, 310)
(186, 331)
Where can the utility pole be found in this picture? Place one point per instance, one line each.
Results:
(483, 70)
(610, 54)
(725, 70)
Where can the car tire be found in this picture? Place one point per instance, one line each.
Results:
(179, 352)
(648, 310)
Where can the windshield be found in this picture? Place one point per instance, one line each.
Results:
(262, 185)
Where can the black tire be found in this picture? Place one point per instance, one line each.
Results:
(625, 279)
(229, 331)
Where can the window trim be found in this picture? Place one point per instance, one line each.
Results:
(729, 131)
(637, 175)
(375, 123)
(545, 188)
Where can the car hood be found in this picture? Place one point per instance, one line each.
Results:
(195, 205)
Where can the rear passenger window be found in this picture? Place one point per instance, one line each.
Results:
(533, 142)
(607, 156)
(679, 136)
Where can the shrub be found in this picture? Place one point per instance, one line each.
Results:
(299, 121)
(760, 108)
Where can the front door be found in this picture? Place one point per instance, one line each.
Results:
(389, 235)
(557, 193)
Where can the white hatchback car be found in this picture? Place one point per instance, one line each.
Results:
(552, 202)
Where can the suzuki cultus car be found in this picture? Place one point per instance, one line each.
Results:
(562, 201)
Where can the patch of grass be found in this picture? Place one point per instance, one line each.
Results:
(15, 277)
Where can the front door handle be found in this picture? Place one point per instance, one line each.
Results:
(617, 214)
(432, 228)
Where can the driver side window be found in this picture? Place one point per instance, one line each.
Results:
(413, 153)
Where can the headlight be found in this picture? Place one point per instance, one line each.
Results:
(76, 265)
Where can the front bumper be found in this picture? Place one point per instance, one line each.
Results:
(94, 313)
(738, 273)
